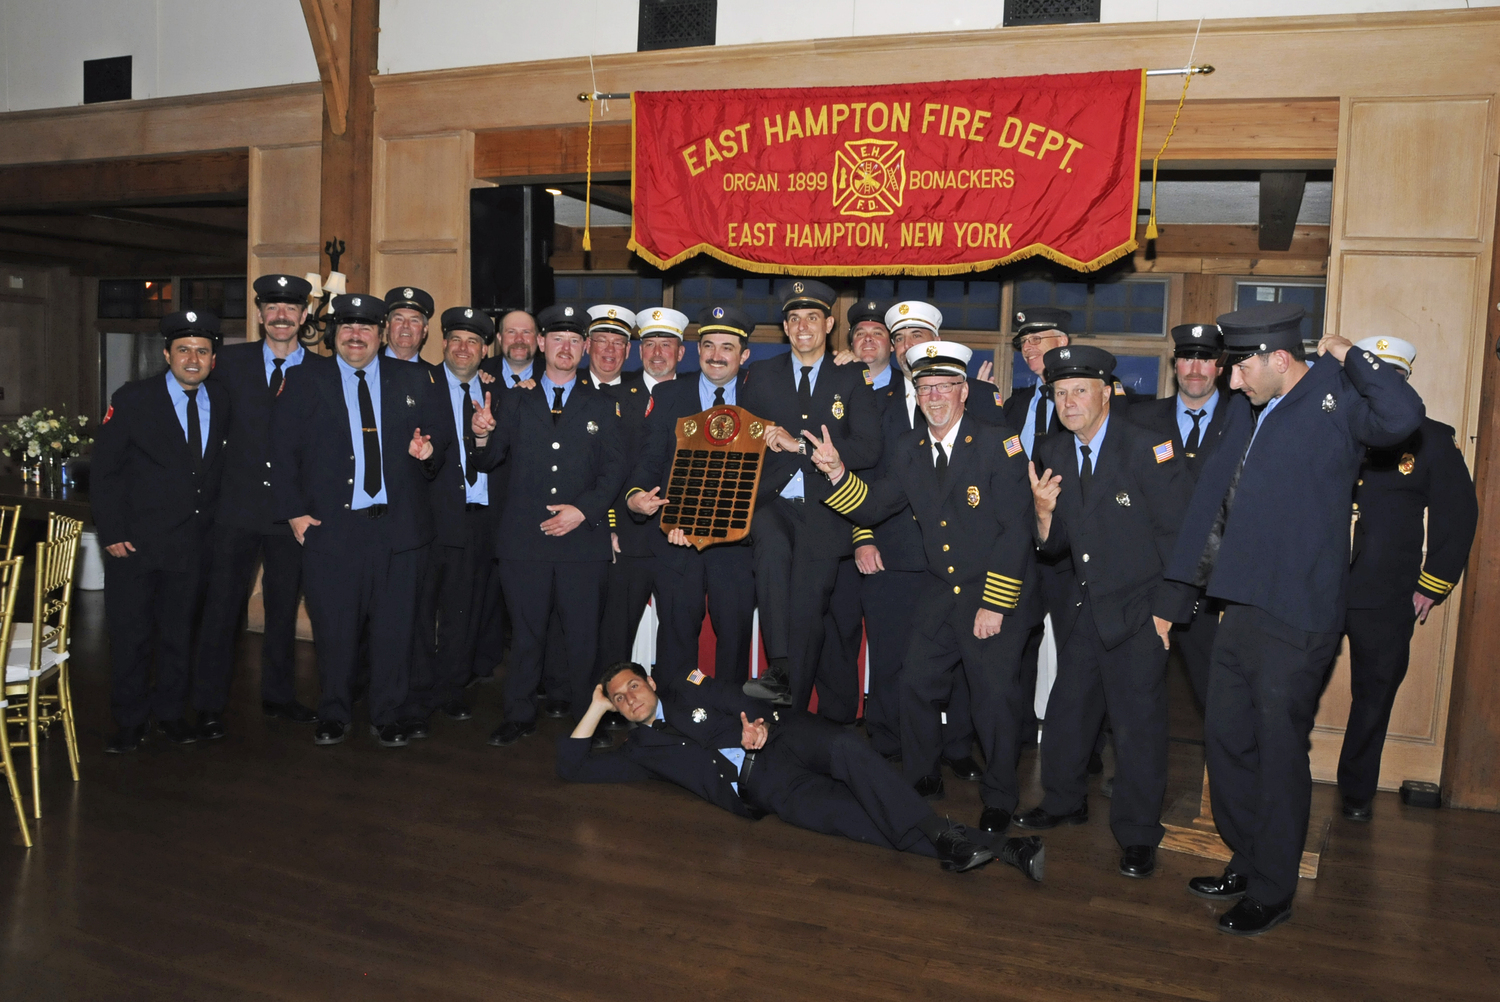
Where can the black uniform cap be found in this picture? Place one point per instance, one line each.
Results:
(1197, 341)
(1075, 361)
(466, 318)
(357, 308)
(1261, 329)
(282, 289)
(563, 318)
(191, 323)
(408, 297)
(805, 294)
(866, 309)
(725, 320)
(1039, 318)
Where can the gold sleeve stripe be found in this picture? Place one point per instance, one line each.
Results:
(611, 518)
(850, 496)
(634, 490)
(999, 603)
(862, 535)
(1433, 584)
(992, 578)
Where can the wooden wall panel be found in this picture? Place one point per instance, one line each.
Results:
(283, 221)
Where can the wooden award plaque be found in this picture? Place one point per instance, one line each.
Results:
(711, 493)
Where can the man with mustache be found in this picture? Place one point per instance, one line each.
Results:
(516, 360)
(245, 531)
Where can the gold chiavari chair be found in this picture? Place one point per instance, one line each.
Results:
(38, 671)
(10, 585)
(10, 518)
(61, 526)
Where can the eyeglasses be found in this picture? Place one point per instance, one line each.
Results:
(929, 389)
(1033, 340)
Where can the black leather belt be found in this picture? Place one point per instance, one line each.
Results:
(374, 511)
(475, 506)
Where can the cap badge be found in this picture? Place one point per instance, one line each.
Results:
(798, 288)
(1064, 354)
(468, 314)
(1122, 499)
(932, 350)
(1329, 404)
(611, 314)
(567, 311)
(1020, 318)
(593, 427)
(903, 309)
(407, 293)
(718, 313)
(1197, 332)
(656, 314)
(1382, 344)
(838, 408)
(1407, 464)
(192, 317)
(699, 715)
(355, 300)
(281, 281)
(872, 305)
(972, 496)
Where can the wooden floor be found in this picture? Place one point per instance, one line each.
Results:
(263, 867)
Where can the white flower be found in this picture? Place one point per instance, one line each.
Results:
(57, 445)
(72, 439)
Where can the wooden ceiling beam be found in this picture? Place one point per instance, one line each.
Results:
(125, 234)
(132, 181)
(328, 25)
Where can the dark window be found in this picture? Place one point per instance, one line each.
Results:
(678, 24)
(106, 79)
(753, 295)
(1018, 12)
(1309, 297)
(135, 299)
(1108, 308)
(965, 305)
(225, 297)
(591, 289)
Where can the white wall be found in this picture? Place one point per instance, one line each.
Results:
(178, 46)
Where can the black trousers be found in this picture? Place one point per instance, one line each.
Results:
(837, 681)
(149, 610)
(818, 775)
(1130, 682)
(1195, 640)
(888, 603)
(943, 646)
(232, 570)
(725, 577)
(628, 585)
(1263, 690)
(494, 626)
(366, 593)
(792, 591)
(534, 589)
(449, 614)
(1379, 652)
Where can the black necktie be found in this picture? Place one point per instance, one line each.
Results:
(515, 378)
(804, 391)
(277, 375)
(1085, 473)
(470, 473)
(1210, 554)
(718, 396)
(1040, 428)
(194, 429)
(371, 435)
(941, 464)
(1196, 436)
(557, 392)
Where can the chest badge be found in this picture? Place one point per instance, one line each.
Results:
(972, 496)
(838, 408)
(1407, 464)
(700, 715)
(1329, 404)
(593, 427)
(1122, 499)
(409, 401)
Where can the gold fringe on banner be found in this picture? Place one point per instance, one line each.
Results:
(1187, 78)
(588, 180)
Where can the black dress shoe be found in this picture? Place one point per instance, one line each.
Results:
(1026, 854)
(179, 731)
(1357, 810)
(602, 740)
(930, 787)
(773, 685)
(330, 732)
(614, 722)
(210, 726)
(1038, 820)
(293, 711)
(415, 728)
(510, 732)
(1220, 888)
(125, 740)
(555, 708)
(1251, 918)
(1138, 861)
(390, 736)
(458, 709)
(965, 768)
(994, 819)
(957, 853)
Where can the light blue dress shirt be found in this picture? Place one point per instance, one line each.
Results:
(295, 358)
(735, 755)
(1185, 423)
(479, 491)
(881, 381)
(360, 499)
(706, 391)
(180, 405)
(795, 487)
(1094, 447)
(1028, 426)
(548, 386)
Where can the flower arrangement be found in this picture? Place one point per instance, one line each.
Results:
(43, 439)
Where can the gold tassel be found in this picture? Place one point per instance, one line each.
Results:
(1187, 78)
(588, 184)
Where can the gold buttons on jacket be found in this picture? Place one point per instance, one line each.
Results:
(944, 522)
(557, 445)
(1085, 558)
(956, 589)
(945, 547)
(950, 570)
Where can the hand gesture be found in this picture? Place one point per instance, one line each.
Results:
(778, 439)
(986, 372)
(646, 502)
(753, 733)
(1044, 490)
(987, 623)
(421, 445)
(483, 421)
(566, 519)
(824, 456)
(867, 559)
(678, 538)
(1333, 344)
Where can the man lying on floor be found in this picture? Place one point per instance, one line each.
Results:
(715, 741)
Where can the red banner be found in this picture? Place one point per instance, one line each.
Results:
(919, 179)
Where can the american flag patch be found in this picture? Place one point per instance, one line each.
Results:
(1012, 444)
(696, 677)
(869, 379)
(1163, 452)
(1119, 390)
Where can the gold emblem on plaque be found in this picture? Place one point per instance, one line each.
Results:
(715, 474)
(1407, 464)
(757, 429)
(721, 427)
(689, 427)
(869, 177)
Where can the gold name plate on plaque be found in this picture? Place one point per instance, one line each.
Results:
(711, 493)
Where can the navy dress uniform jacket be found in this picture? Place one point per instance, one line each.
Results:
(1160, 417)
(145, 485)
(1425, 472)
(898, 537)
(247, 502)
(1284, 547)
(312, 472)
(769, 391)
(1120, 536)
(497, 368)
(579, 460)
(631, 401)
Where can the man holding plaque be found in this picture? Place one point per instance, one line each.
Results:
(798, 541)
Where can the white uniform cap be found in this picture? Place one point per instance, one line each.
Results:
(615, 319)
(1390, 349)
(659, 320)
(931, 358)
(913, 313)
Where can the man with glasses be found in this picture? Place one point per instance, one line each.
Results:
(977, 605)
